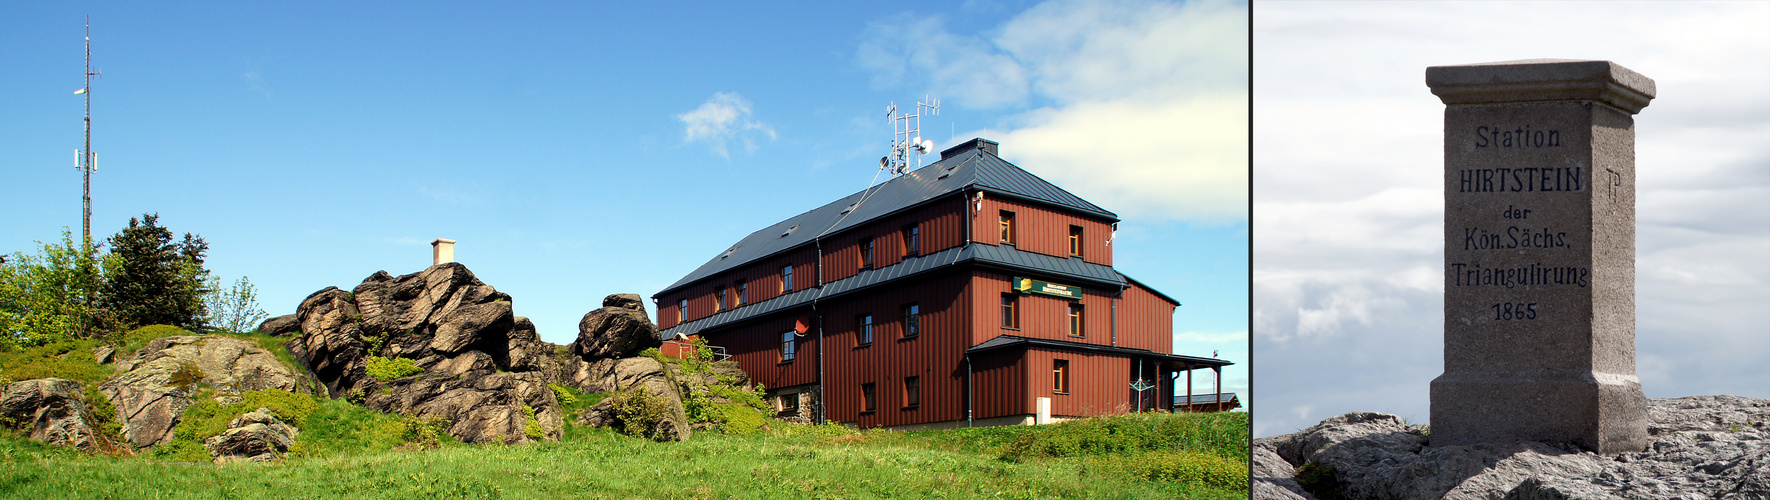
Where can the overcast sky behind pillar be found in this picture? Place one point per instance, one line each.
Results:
(1348, 202)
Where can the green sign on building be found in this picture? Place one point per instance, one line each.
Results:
(1029, 285)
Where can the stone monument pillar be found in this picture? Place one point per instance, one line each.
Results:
(1539, 254)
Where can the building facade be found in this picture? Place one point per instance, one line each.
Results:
(957, 294)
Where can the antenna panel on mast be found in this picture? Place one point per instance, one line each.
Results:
(906, 137)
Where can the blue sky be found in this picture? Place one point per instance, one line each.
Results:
(1349, 204)
(577, 150)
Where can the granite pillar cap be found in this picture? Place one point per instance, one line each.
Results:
(1537, 80)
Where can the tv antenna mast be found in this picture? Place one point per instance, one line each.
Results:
(906, 136)
(84, 159)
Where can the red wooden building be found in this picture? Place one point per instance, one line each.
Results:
(957, 294)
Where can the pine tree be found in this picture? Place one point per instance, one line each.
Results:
(153, 281)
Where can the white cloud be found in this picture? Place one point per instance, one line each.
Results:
(1142, 103)
(723, 119)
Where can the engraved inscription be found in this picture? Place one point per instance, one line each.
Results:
(1505, 180)
(1520, 137)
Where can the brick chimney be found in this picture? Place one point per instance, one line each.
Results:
(442, 250)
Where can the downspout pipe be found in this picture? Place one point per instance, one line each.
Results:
(970, 397)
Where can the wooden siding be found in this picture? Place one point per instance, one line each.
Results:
(1098, 384)
(1146, 321)
(1041, 229)
(756, 348)
(1000, 381)
(763, 278)
(942, 224)
(943, 227)
(936, 355)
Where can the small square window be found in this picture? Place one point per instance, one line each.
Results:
(789, 403)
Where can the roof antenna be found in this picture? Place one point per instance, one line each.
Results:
(906, 137)
(84, 159)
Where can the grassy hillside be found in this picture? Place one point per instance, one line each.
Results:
(347, 451)
(802, 462)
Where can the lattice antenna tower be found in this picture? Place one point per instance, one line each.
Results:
(85, 160)
(906, 137)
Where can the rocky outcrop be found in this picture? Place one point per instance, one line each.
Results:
(281, 325)
(627, 378)
(148, 402)
(258, 436)
(52, 410)
(619, 329)
(484, 369)
(1701, 447)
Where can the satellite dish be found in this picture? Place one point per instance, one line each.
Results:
(884, 161)
(927, 145)
(917, 143)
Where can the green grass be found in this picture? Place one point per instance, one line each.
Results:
(598, 463)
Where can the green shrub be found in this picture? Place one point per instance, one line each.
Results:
(1182, 467)
(742, 419)
(564, 395)
(386, 369)
(532, 428)
(637, 412)
(373, 342)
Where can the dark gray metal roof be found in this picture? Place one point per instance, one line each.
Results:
(1044, 266)
(972, 168)
(1205, 398)
(1007, 341)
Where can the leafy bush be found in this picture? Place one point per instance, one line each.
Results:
(51, 296)
(532, 428)
(1224, 433)
(564, 395)
(1182, 467)
(637, 412)
(232, 310)
(742, 419)
(385, 369)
